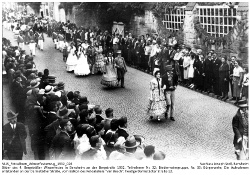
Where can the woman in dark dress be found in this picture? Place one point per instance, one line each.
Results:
(224, 78)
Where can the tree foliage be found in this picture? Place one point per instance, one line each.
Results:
(34, 5)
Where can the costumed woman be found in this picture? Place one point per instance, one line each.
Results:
(157, 104)
(72, 59)
(99, 61)
(82, 67)
(109, 77)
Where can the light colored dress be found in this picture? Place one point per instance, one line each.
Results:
(82, 67)
(71, 60)
(109, 78)
(99, 62)
(157, 106)
(191, 69)
(186, 63)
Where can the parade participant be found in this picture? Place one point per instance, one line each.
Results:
(99, 61)
(20, 41)
(240, 129)
(14, 135)
(32, 44)
(61, 41)
(65, 51)
(157, 104)
(169, 84)
(82, 67)
(109, 78)
(121, 68)
(72, 59)
(55, 39)
(40, 41)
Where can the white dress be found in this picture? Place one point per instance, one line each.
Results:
(191, 69)
(82, 67)
(71, 60)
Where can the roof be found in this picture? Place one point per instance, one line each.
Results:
(243, 6)
(190, 6)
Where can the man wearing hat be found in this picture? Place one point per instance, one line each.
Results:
(121, 68)
(240, 129)
(62, 144)
(14, 135)
(131, 151)
(169, 84)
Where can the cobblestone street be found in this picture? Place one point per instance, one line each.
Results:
(203, 126)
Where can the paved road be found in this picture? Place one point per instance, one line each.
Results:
(202, 129)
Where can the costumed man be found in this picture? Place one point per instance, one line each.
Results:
(40, 40)
(55, 39)
(240, 129)
(169, 84)
(14, 135)
(121, 68)
(32, 44)
(20, 41)
(61, 41)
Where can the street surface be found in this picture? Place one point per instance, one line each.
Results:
(202, 129)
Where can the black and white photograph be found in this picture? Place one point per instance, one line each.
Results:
(136, 81)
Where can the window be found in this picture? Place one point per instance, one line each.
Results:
(218, 19)
(174, 18)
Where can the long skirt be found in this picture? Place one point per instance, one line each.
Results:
(237, 88)
(157, 106)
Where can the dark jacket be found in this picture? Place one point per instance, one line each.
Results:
(239, 127)
(216, 65)
(166, 82)
(122, 133)
(63, 147)
(14, 140)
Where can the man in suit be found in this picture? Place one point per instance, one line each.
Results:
(216, 79)
(169, 84)
(62, 145)
(121, 67)
(240, 128)
(14, 135)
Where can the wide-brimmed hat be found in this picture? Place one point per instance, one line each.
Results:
(63, 112)
(243, 105)
(49, 89)
(119, 51)
(34, 84)
(83, 100)
(131, 142)
(60, 85)
(168, 68)
(11, 115)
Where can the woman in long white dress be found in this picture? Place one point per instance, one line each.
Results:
(191, 71)
(82, 67)
(72, 59)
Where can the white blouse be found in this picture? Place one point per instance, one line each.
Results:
(237, 71)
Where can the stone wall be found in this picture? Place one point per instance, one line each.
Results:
(141, 25)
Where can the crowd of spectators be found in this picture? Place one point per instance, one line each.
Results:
(210, 73)
(63, 124)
